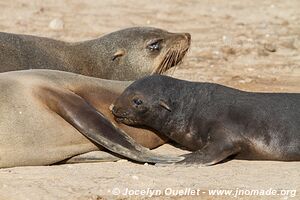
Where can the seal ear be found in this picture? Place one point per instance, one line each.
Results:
(118, 53)
(164, 105)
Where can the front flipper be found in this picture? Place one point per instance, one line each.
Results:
(209, 155)
(218, 148)
(92, 124)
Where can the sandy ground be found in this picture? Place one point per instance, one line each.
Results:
(101, 180)
(253, 45)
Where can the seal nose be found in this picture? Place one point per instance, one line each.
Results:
(111, 107)
(187, 37)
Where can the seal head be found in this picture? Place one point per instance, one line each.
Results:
(135, 107)
(140, 51)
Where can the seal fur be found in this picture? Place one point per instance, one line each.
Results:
(45, 114)
(213, 120)
(127, 54)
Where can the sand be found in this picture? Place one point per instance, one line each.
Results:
(252, 45)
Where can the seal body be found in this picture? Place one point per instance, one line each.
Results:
(127, 54)
(213, 120)
(48, 116)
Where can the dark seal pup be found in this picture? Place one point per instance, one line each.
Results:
(213, 120)
(127, 54)
(45, 113)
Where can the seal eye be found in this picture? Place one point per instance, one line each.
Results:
(154, 45)
(137, 101)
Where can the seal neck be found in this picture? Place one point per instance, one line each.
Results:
(85, 59)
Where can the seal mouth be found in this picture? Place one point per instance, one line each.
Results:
(172, 57)
(125, 120)
(121, 117)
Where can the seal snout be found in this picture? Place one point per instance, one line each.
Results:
(118, 113)
(185, 41)
(188, 37)
(114, 110)
(111, 107)
(122, 115)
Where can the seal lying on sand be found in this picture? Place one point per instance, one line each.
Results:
(44, 114)
(213, 120)
(127, 54)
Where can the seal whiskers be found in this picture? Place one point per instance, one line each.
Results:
(172, 57)
(168, 62)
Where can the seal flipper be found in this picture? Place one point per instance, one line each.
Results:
(209, 155)
(92, 124)
(217, 149)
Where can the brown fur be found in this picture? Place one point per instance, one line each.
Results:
(33, 134)
(121, 55)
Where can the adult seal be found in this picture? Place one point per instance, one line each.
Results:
(213, 120)
(48, 116)
(126, 54)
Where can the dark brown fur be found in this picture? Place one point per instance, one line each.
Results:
(213, 120)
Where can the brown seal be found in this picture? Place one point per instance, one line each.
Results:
(45, 113)
(126, 54)
(213, 120)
